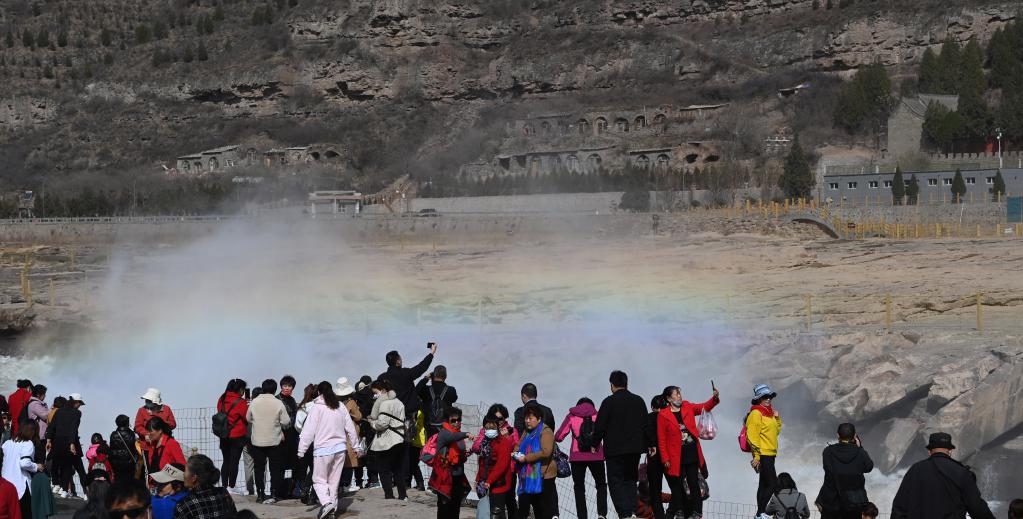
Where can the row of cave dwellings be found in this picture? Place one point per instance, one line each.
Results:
(600, 126)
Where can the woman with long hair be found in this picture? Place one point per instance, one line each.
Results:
(233, 403)
(20, 465)
(329, 429)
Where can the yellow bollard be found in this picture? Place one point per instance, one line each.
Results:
(978, 230)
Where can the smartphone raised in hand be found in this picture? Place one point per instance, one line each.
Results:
(430, 345)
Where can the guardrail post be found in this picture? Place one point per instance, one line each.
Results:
(888, 312)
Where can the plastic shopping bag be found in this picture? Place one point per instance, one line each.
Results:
(706, 427)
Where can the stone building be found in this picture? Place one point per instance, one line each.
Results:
(935, 186)
(217, 159)
(905, 125)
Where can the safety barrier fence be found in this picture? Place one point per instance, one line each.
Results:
(196, 437)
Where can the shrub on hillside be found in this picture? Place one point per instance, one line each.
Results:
(635, 200)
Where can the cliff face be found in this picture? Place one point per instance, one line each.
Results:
(315, 60)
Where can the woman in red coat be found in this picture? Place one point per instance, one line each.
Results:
(679, 446)
(165, 449)
(233, 403)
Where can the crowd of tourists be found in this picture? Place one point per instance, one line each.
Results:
(336, 439)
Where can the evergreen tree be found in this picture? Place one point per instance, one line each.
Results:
(958, 187)
(865, 102)
(9, 40)
(207, 24)
(975, 117)
(62, 39)
(218, 14)
(201, 54)
(159, 31)
(898, 187)
(105, 37)
(912, 190)
(999, 188)
(187, 56)
(930, 73)
(797, 179)
(1005, 62)
(971, 75)
(27, 40)
(941, 127)
(950, 62)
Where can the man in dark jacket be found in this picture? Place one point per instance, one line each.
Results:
(62, 441)
(939, 486)
(437, 390)
(843, 493)
(621, 425)
(528, 394)
(290, 445)
(403, 380)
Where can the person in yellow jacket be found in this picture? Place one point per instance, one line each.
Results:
(415, 449)
(763, 425)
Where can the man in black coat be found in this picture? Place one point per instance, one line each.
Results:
(939, 486)
(403, 380)
(622, 426)
(843, 493)
(438, 389)
(528, 394)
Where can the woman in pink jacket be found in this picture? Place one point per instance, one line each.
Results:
(586, 454)
(329, 429)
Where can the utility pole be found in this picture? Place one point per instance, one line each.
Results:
(998, 133)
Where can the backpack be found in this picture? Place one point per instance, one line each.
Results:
(585, 439)
(429, 452)
(790, 511)
(221, 424)
(744, 445)
(438, 407)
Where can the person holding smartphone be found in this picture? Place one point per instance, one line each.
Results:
(843, 493)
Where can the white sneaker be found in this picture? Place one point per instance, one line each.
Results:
(64, 494)
(353, 488)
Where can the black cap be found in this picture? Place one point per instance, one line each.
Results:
(940, 440)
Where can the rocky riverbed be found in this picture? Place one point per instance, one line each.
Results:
(879, 332)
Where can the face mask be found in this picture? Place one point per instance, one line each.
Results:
(376, 395)
(151, 405)
(676, 403)
(490, 433)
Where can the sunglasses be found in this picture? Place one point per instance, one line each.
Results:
(132, 513)
(455, 420)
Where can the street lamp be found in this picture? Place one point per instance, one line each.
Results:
(998, 133)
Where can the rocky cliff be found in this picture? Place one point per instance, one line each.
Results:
(171, 67)
(898, 388)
